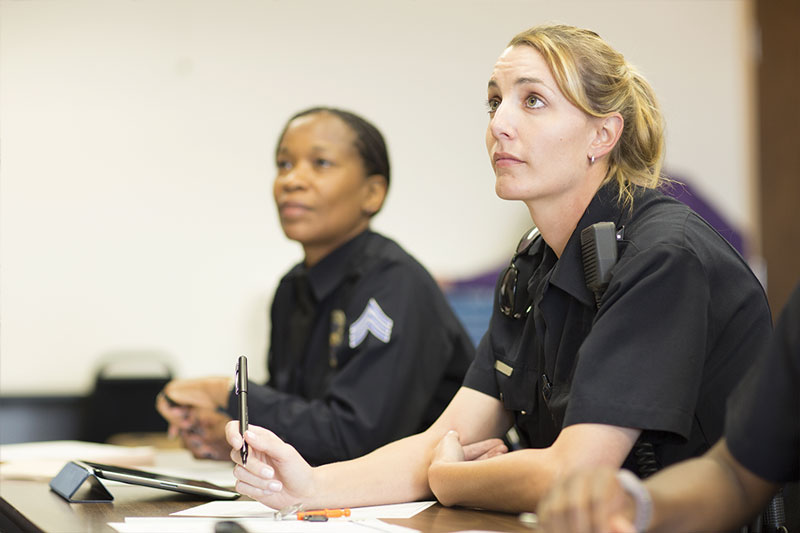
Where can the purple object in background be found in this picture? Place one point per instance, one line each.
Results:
(682, 191)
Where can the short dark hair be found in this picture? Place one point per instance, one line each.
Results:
(369, 140)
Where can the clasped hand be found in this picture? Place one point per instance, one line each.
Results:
(450, 450)
(450, 458)
(193, 409)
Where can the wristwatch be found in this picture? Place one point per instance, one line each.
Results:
(641, 498)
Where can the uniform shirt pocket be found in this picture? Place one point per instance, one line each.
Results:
(517, 385)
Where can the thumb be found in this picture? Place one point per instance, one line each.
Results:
(232, 434)
(452, 435)
(208, 393)
(187, 395)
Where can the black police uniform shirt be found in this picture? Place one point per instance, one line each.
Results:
(384, 370)
(681, 321)
(762, 428)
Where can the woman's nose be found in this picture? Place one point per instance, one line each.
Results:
(295, 178)
(501, 124)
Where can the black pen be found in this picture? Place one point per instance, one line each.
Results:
(241, 392)
(229, 526)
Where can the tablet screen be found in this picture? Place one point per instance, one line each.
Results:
(159, 481)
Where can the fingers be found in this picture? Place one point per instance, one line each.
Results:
(209, 421)
(450, 439)
(600, 492)
(484, 449)
(267, 442)
(556, 511)
(183, 393)
(582, 497)
(204, 450)
(500, 449)
(448, 450)
(264, 446)
(257, 479)
(172, 413)
(177, 417)
(209, 393)
(264, 481)
(585, 502)
(232, 435)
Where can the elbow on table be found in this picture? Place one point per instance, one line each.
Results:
(440, 486)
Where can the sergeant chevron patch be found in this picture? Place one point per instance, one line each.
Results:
(372, 320)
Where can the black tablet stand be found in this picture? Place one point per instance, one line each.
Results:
(78, 484)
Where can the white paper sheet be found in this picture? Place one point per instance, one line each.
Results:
(249, 509)
(43, 460)
(253, 525)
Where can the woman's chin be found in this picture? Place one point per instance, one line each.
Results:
(505, 192)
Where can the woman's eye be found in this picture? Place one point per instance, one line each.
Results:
(492, 104)
(533, 101)
(324, 163)
(283, 165)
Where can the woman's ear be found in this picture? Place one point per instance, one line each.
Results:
(607, 134)
(376, 188)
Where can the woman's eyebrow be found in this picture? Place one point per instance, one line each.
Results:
(525, 81)
(519, 81)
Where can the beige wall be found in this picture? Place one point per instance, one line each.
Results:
(136, 146)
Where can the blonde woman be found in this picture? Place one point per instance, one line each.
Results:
(586, 379)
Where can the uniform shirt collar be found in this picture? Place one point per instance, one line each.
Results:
(568, 271)
(331, 271)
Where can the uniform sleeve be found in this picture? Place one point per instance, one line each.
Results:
(480, 375)
(762, 426)
(642, 363)
(383, 390)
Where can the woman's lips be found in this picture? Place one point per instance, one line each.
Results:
(503, 159)
(293, 209)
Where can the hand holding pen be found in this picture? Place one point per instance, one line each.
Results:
(241, 394)
(275, 474)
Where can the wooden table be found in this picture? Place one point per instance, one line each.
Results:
(30, 506)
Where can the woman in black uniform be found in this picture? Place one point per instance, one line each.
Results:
(634, 374)
(364, 349)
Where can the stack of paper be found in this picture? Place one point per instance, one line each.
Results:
(257, 518)
(43, 460)
(251, 509)
(254, 525)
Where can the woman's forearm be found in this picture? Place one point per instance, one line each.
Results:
(711, 493)
(394, 473)
(513, 482)
(516, 481)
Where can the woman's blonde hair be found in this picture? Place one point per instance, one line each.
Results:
(597, 79)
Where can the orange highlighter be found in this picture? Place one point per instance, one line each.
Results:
(326, 513)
